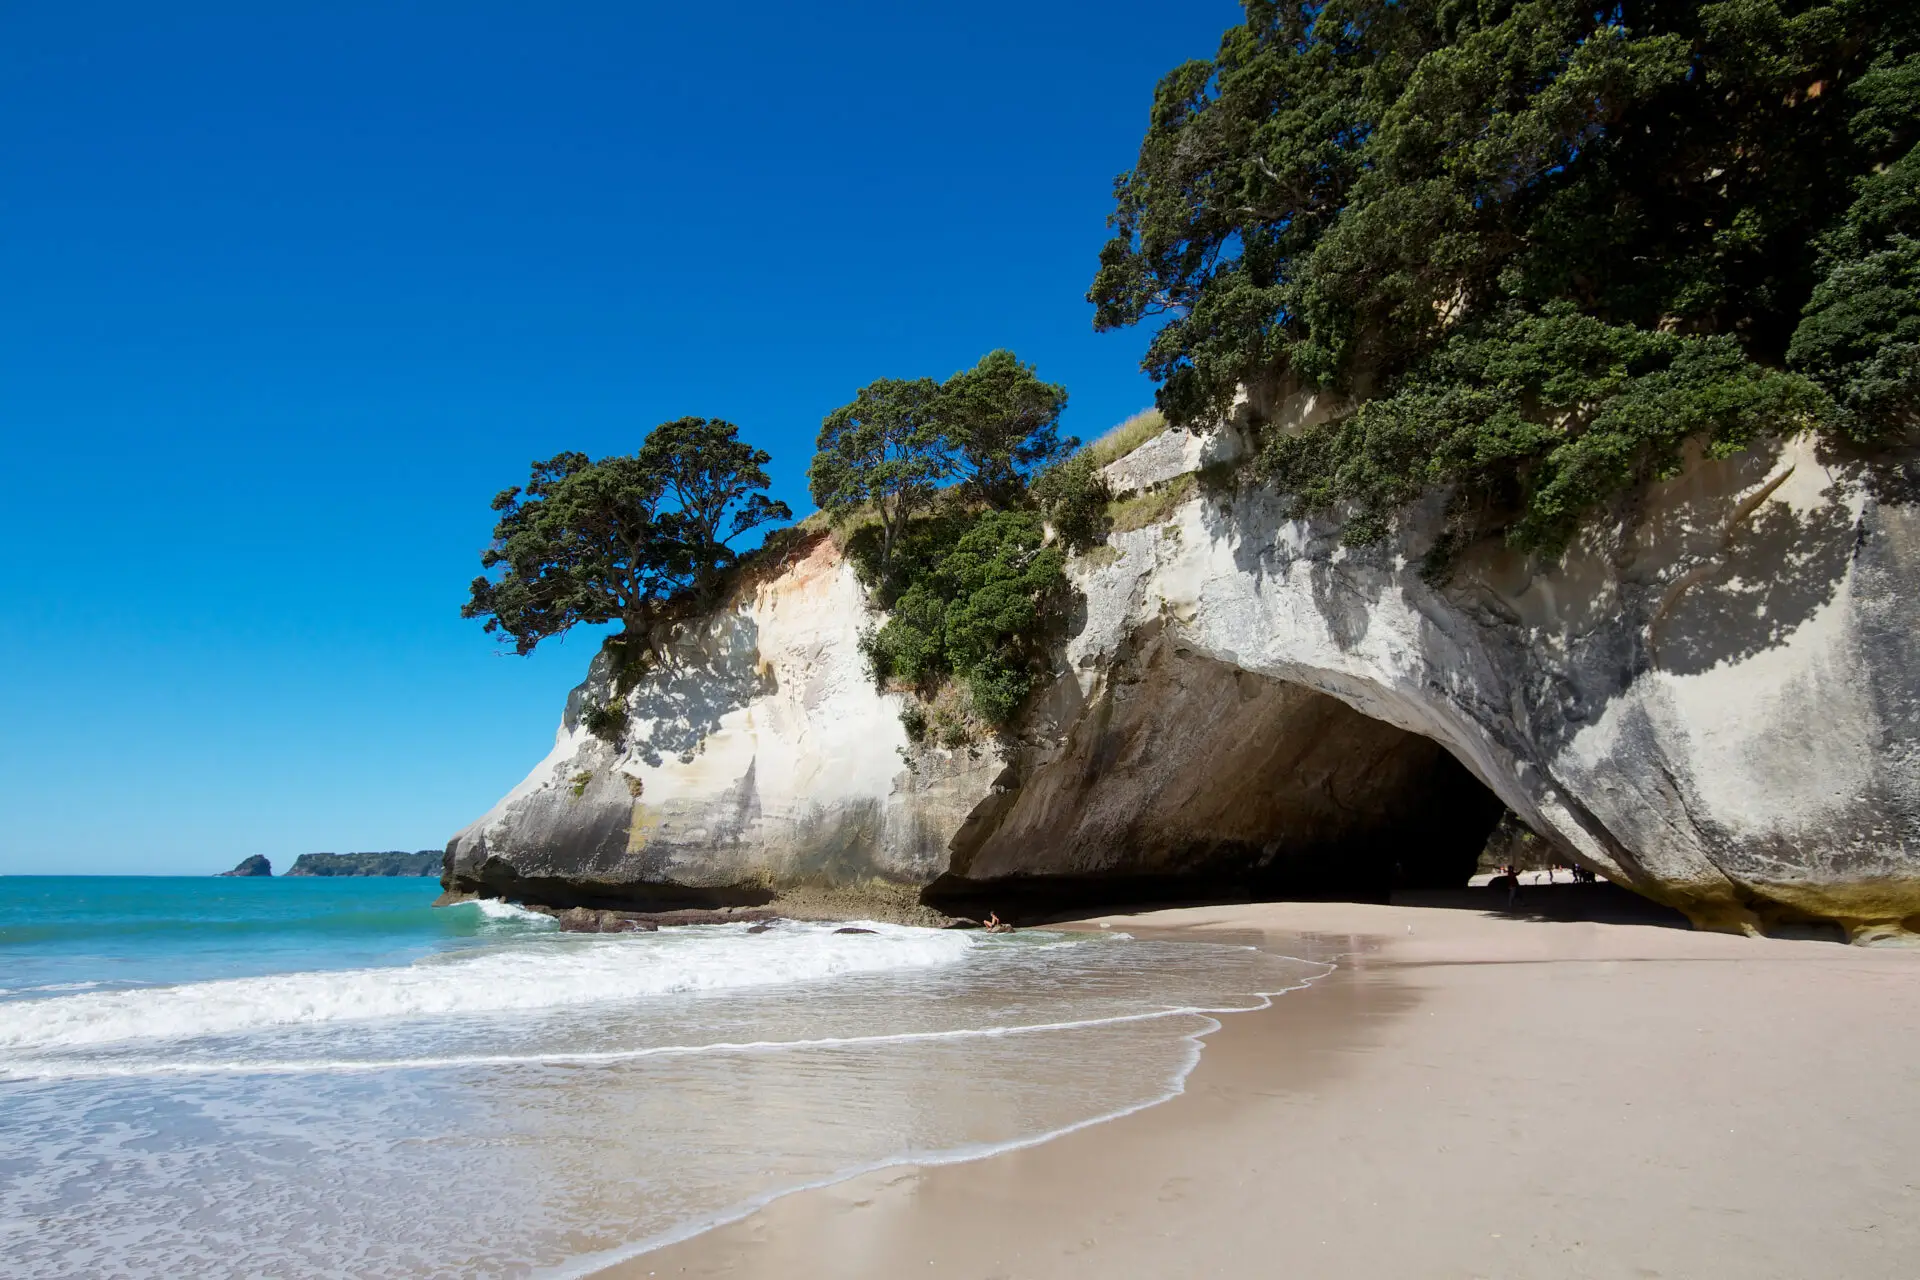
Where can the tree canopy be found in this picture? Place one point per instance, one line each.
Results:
(714, 481)
(955, 550)
(609, 541)
(901, 440)
(1002, 424)
(886, 450)
(1539, 243)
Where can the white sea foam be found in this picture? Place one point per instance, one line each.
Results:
(64, 1069)
(495, 909)
(552, 973)
(946, 1047)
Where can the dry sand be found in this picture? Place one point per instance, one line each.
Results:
(1468, 1095)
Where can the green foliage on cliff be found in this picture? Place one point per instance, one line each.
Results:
(1002, 423)
(1534, 418)
(901, 440)
(1540, 244)
(606, 541)
(1860, 334)
(608, 720)
(970, 598)
(952, 543)
(713, 485)
(1074, 496)
(1861, 340)
(883, 452)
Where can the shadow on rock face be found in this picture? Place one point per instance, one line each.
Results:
(698, 683)
(1768, 564)
(1192, 780)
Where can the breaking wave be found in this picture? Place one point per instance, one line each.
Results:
(495, 909)
(547, 973)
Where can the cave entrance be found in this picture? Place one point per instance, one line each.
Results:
(1189, 781)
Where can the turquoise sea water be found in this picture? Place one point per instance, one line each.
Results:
(123, 931)
(330, 1077)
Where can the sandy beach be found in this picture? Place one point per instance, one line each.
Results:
(1468, 1094)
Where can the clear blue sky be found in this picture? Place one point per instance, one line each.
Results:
(292, 289)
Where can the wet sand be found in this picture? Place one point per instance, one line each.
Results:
(1468, 1095)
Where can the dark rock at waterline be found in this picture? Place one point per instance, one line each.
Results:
(727, 915)
(852, 930)
(257, 865)
(584, 920)
(590, 920)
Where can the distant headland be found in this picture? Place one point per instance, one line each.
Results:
(392, 862)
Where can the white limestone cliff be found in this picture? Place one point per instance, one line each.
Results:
(757, 753)
(1712, 698)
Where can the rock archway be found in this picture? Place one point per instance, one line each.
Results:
(1710, 699)
(1189, 780)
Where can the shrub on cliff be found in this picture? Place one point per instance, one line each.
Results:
(609, 541)
(1074, 496)
(975, 608)
(1539, 244)
(606, 721)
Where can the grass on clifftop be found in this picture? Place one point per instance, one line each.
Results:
(1074, 495)
(1125, 438)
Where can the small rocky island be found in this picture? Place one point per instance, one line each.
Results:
(257, 865)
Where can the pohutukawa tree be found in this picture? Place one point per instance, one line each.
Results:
(901, 440)
(1002, 424)
(968, 589)
(884, 451)
(713, 483)
(610, 541)
(1539, 244)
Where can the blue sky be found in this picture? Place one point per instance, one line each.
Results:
(292, 290)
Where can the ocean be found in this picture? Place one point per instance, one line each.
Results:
(330, 1077)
